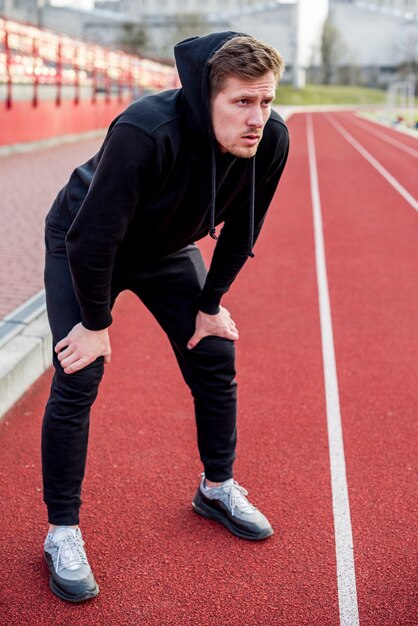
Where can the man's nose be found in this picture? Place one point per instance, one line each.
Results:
(256, 118)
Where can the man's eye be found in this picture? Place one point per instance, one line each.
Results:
(243, 101)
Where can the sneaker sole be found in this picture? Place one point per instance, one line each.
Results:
(75, 599)
(88, 595)
(201, 509)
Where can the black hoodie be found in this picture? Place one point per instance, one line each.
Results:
(158, 183)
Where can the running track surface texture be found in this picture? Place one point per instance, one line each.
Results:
(327, 359)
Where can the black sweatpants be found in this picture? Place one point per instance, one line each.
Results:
(169, 289)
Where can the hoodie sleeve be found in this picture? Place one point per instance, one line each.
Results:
(120, 181)
(231, 251)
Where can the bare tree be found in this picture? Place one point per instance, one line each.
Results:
(408, 49)
(134, 38)
(333, 49)
(189, 25)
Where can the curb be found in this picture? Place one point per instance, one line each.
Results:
(25, 349)
(50, 142)
(287, 110)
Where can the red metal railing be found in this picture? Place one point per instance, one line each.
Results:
(35, 57)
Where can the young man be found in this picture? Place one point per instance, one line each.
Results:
(171, 168)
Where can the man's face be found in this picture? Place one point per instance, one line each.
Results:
(240, 111)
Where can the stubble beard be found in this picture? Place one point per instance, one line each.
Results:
(242, 152)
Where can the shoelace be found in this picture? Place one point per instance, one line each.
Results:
(237, 498)
(71, 553)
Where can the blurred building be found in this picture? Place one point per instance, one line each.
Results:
(390, 6)
(102, 26)
(379, 39)
(18, 10)
(376, 37)
(292, 27)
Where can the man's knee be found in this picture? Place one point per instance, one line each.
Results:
(214, 358)
(82, 384)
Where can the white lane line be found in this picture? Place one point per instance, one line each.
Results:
(367, 126)
(375, 163)
(346, 578)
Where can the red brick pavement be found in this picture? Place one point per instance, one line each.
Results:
(28, 184)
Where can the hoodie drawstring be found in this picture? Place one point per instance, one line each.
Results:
(212, 229)
(251, 217)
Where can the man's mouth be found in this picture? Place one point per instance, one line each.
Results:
(251, 138)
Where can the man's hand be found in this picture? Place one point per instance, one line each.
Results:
(220, 325)
(81, 347)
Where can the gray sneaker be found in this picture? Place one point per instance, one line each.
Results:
(71, 576)
(228, 504)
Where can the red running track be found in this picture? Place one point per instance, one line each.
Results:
(401, 163)
(371, 239)
(159, 564)
(391, 132)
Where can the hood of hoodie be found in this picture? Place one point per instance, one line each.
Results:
(192, 56)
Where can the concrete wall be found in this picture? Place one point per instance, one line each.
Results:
(103, 27)
(24, 123)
